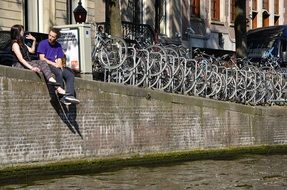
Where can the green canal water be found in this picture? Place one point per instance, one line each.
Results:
(254, 172)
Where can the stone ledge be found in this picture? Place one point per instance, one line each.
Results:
(113, 88)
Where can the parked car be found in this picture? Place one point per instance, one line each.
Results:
(6, 57)
(267, 42)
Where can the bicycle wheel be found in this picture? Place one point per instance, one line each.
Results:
(189, 76)
(113, 53)
(214, 85)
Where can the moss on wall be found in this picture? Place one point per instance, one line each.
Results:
(95, 165)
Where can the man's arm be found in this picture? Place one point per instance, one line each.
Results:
(57, 63)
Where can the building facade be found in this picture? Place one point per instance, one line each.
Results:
(210, 23)
(40, 15)
(204, 23)
(201, 23)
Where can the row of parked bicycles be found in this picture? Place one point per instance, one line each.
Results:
(172, 69)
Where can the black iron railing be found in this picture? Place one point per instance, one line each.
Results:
(135, 33)
(139, 33)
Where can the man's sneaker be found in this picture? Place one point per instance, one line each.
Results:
(64, 101)
(72, 99)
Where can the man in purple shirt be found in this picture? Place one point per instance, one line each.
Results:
(51, 51)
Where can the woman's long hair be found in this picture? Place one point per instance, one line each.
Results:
(15, 34)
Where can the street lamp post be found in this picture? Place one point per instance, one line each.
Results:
(80, 13)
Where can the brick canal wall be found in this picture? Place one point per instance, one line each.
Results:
(118, 120)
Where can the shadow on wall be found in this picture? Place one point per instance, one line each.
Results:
(68, 114)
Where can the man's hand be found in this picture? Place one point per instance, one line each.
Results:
(59, 65)
(58, 62)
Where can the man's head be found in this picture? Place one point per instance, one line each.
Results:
(54, 34)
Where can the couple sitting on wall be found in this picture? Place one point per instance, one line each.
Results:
(50, 63)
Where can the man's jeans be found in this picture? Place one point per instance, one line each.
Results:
(68, 76)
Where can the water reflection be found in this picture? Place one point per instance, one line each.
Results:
(256, 172)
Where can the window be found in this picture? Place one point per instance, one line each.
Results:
(160, 16)
(265, 14)
(254, 20)
(232, 10)
(133, 11)
(265, 17)
(276, 20)
(276, 12)
(254, 5)
(195, 8)
(215, 10)
(276, 6)
(265, 4)
(254, 14)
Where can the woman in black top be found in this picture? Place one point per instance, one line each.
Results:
(21, 52)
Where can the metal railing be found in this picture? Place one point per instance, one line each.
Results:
(170, 69)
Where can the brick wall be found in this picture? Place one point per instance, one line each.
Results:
(117, 120)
